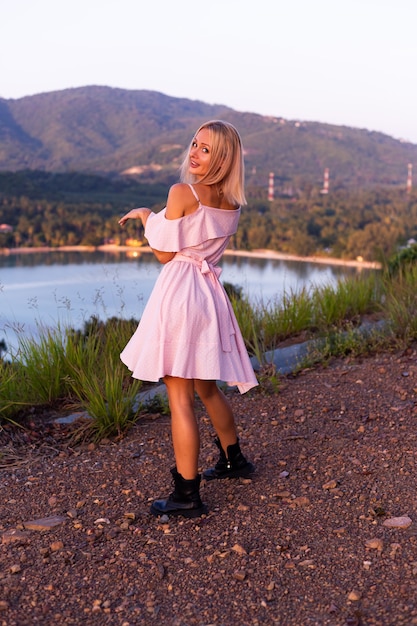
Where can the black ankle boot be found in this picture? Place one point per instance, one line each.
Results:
(230, 465)
(184, 500)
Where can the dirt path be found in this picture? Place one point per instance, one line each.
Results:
(304, 542)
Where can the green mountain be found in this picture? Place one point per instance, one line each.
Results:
(144, 133)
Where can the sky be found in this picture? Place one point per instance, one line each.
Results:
(344, 62)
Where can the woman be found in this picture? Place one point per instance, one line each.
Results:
(188, 334)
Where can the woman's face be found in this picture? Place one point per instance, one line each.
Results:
(200, 153)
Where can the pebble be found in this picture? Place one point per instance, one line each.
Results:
(301, 501)
(10, 536)
(332, 484)
(354, 596)
(283, 494)
(239, 549)
(374, 544)
(45, 523)
(398, 522)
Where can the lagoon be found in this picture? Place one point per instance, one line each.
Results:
(68, 287)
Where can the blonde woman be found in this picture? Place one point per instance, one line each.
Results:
(188, 334)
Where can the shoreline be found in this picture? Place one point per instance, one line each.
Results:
(272, 255)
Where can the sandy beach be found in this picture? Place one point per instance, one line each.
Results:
(257, 254)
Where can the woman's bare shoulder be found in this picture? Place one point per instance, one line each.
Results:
(181, 201)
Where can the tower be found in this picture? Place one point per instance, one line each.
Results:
(271, 187)
(410, 178)
(325, 189)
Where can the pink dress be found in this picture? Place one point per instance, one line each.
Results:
(188, 328)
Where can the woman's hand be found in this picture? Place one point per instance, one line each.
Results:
(136, 214)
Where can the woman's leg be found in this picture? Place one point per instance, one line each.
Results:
(184, 427)
(219, 410)
(232, 463)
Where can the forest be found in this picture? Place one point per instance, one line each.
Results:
(45, 209)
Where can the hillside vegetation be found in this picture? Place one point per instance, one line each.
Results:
(46, 209)
(110, 131)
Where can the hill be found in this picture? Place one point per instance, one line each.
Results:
(112, 131)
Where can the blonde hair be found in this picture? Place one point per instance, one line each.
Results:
(226, 167)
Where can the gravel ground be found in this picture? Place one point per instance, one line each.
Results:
(309, 540)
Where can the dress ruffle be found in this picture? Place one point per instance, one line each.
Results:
(204, 224)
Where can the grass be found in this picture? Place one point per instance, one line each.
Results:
(80, 368)
(308, 312)
(83, 370)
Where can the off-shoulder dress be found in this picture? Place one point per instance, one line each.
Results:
(188, 328)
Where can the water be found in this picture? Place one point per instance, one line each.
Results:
(67, 288)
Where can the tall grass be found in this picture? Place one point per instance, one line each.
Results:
(400, 303)
(307, 312)
(44, 365)
(99, 380)
(352, 297)
(83, 368)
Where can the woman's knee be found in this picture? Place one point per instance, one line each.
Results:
(206, 389)
(180, 390)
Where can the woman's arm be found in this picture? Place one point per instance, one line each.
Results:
(143, 214)
(163, 257)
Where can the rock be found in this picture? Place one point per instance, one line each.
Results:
(239, 549)
(394, 549)
(9, 536)
(56, 546)
(398, 522)
(374, 544)
(354, 596)
(301, 501)
(45, 523)
(332, 484)
(239, 575)
(283, 494)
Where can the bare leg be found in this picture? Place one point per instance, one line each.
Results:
(231, 463)
(184, 427)
(219, 411)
